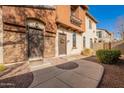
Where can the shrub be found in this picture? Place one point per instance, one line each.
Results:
(87, 52)
(108, 56)
(2, 67)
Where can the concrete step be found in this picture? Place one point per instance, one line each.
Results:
(40, 66)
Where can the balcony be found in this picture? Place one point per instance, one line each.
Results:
(75, 20)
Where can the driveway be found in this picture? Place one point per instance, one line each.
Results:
(73, 74)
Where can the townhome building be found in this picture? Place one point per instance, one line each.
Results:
(104, 35)
(89, 36)
(112, 37)
(70, 26)
(30, 33)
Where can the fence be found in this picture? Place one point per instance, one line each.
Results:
(119, 45)
(116, 45)
(101, 45)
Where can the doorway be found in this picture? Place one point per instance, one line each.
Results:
(35, 40)
(62, 43)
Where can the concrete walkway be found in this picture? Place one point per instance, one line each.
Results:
(86, 75)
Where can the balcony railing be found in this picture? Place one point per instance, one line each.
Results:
(75, 20)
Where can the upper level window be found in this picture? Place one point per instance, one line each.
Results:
(99, 34)
(73, 10)
(95, 40)
(90, 24)
(74, 40)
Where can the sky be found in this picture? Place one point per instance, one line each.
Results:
(107, 16)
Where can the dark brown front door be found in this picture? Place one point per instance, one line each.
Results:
(35, 43)
(62, 43)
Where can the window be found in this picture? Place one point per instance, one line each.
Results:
(95, 40)
(90, 24)
(100, 41)
(99, 34)
(91, 43)
(73, 10)
(84, 41)
(74, 40)
(74, 15)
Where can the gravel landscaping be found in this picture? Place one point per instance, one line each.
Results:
(113, 76)
(17, 76)
(20, 81)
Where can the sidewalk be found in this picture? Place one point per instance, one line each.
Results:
(68, 72)
(54, 61)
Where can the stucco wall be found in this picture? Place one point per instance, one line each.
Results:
(15, 43)
(105, 36)
(63, 16)
(89, 33)
(70, 49)
(119, 45)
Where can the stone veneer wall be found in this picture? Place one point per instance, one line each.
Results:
(1, 37)
(49, 45)
(14, 35)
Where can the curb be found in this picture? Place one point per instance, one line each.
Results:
(103, 72)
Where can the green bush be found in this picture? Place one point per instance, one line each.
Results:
(108, 56)
(2, 67)
(87, 52)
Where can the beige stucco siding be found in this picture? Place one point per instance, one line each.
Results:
(89, 33)
(69, 42)
(106, 37)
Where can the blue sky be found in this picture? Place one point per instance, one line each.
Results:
(107, 15)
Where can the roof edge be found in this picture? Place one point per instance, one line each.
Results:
(85, 7)
(52, 7)
(93, 18)
(104, 30)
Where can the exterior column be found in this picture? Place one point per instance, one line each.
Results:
(1, 36)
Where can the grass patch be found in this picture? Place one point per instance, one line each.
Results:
(2, 67)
